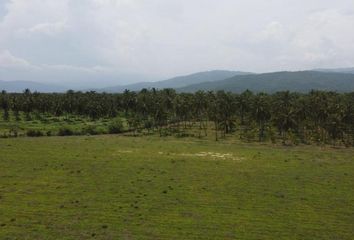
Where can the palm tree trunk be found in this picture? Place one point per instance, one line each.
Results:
(216, 131)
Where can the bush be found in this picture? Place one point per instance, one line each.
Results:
(272, 135)
(44, 120)
(65, 131)
(28, 116)
(34, 133)
(4, 135)
(13, 132)
(248, 134)
(116, 127)
(38, 116)
(68, 120)
(90, 130)
(293, 138)
(185, 135)
(164, 132)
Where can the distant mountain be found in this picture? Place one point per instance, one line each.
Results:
(341, 80)
(20, 86)
(336, 70)
(279, 81)
(177, 82)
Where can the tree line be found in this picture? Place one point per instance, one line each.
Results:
(318, 116)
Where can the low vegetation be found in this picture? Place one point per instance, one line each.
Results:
(116, 187)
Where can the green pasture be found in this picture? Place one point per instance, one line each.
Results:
(116, 187)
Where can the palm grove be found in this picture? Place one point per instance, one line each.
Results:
(316, 117)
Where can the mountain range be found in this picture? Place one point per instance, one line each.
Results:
(20, 86)
(341, 80)
(178, 82)
(303, 81)
(336, 70)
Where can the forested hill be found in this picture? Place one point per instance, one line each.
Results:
(233, 81)
(177, 82)
(336, 70)
(303, 81)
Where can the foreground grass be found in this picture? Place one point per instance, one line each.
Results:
(111, 187)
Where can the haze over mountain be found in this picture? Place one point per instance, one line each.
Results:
(341, 80)
(303, 81)
(336, 70)
(19, 86)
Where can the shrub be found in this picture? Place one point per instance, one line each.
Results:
(38, 116)
(44, 120)
(90, 129)
(293, 138)
(65, 131)
(13, 132)
(184, 135)
(28, 116)
(4, 135)
(272, 135)
(164, 132)
(116, 127)
(17, 115)
(34, 133)
(248, 134)
(68, 120)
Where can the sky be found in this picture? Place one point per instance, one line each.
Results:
(92, 43)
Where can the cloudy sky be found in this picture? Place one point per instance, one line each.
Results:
(108, 42)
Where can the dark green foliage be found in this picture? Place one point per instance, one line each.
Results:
(14, 132)
(65, 131)
(116, 127)
(177, 82)
(303, 81)
(320, 117)
(34, 133)
(90, 130)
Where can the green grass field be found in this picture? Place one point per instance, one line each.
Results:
(115, 187)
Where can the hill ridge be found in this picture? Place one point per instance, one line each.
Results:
(298, 81)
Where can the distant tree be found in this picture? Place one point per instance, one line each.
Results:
(284, 112)
(324, 117)
(5, 105)
(261, 112)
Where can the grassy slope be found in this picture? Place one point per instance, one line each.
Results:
(111, 187)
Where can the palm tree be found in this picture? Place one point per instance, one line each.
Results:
(5, 105)
(284, 112)
(243, 104)
(261, 112)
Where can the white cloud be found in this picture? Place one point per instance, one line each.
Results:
(48, 28)
(321, 39)
(7, 60)
(326, 39)
(274, 31)
(165, 38)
